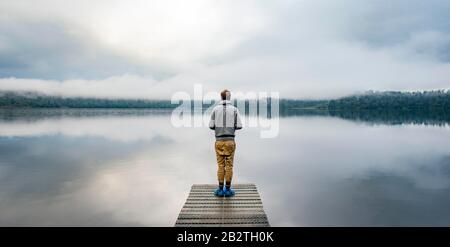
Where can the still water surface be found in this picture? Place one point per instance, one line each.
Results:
(133, 168)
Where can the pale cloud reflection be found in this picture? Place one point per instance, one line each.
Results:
(145, 187)
(114, 128)
(137, 170)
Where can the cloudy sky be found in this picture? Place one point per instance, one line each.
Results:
(149, 48)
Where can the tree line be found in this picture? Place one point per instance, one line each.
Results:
(392, 100)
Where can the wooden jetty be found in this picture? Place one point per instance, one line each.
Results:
(202, 208)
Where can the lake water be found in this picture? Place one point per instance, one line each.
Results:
(133, 168)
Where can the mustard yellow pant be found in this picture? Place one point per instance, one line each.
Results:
(225, 155)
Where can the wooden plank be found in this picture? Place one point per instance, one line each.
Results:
(222, 225)
(239, 217)
(202, 208)
(221, 210)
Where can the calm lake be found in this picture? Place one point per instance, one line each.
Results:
(133, 168)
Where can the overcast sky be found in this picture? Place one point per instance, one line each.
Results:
(302, 49)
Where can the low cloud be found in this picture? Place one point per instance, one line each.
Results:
(304, 49)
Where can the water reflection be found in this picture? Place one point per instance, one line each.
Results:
(438, 117)
(119, 167)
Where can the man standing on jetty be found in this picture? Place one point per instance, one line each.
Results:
(224, 121)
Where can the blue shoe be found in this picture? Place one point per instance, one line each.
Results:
(229, 192)
(219, 192)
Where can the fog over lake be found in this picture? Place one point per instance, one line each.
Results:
(133, 168)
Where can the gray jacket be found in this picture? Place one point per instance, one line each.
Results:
(225, 120)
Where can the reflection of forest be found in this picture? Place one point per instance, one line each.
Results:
(428, 107)
(33, 114)
(437, 116)
(421, 116)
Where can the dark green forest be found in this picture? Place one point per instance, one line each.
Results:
(34, 100)
(380, 101)
(439, 99)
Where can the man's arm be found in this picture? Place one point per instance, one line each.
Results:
(237, 120)
(212, 121)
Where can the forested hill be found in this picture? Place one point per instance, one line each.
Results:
(34, 100)
(393, 100)
(439, 99)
